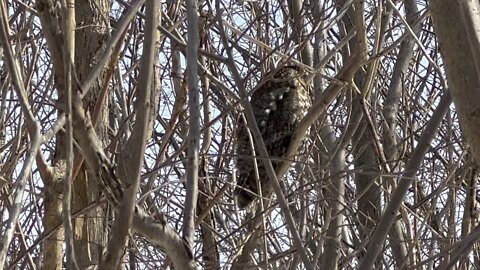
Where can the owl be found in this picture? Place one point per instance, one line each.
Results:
(278, 105)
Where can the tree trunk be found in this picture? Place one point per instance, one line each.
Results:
(88, 228)
(459, 49)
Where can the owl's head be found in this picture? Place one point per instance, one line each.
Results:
(288, 72)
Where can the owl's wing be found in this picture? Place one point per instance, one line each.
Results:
(278, 106)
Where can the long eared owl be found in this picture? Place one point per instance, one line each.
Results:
(279, 104)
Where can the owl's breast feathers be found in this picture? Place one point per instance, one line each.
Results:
(278, 105)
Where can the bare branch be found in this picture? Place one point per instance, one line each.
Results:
(407, 178)
(34, 131)
(135, 149)
(68, 27)
(194, 123)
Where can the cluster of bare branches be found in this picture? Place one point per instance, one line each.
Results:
(118, 122)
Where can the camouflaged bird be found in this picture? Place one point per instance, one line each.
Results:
(278, 104)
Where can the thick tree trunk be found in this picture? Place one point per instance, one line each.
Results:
(53, 255)
(459, 51)
(52, 176)
(459, 45)
(87, 227)
(90, 39)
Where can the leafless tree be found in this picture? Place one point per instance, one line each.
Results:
(118, 123)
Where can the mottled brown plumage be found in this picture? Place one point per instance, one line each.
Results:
(279, 104)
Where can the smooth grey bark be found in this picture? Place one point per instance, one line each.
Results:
(189, 213)
(459, 47)
(456, 25)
